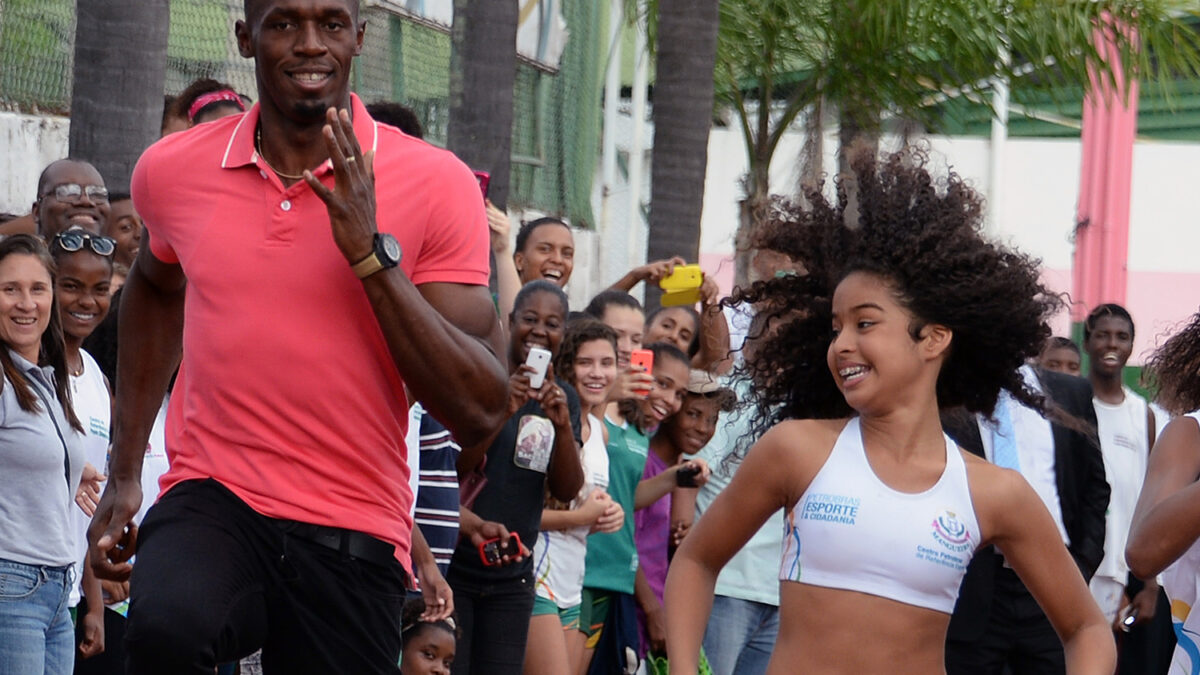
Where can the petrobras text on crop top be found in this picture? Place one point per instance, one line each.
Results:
(831, 508)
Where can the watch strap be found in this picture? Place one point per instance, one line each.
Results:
(367, 266)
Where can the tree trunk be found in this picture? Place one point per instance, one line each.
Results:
(483, 69)
(812, 155)
(752, 211)
(117, 91)
(683, 107)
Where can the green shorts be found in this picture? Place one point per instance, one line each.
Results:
(593, 613)
(569, 617)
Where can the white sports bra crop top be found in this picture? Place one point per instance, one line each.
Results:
(851, 531)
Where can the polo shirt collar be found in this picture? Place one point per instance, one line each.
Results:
(240, 150)
(44, 374)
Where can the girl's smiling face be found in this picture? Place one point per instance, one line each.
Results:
(83, 290)
(595, 371)
(670, 386)
(539, 322)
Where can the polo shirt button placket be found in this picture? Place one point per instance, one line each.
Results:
(286, 205)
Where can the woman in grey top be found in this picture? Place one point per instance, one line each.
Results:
(41, 458)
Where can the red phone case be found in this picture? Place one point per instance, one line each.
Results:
(484, 179)
(645, 358)
(514, 544)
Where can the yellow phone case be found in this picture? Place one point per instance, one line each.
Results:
(687, 297)
(685, 277)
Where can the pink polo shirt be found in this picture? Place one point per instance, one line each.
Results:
(287, 394)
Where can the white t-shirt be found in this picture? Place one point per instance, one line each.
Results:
(558, 555)
(1181, 581)
(93, 407)
(1125, 447)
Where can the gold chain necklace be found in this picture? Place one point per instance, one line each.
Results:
(258, 147)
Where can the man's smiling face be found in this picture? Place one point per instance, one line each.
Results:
(303, 51)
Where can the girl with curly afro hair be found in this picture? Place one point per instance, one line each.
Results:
(896, 308)
(1165, 536)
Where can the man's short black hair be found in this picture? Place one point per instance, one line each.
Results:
(253, 7)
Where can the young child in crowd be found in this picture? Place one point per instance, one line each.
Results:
(428, 646)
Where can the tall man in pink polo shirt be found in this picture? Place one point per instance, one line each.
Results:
(327, 262)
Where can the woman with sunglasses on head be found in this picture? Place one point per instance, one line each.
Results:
(899, 309)
(41, 460)
(82, 289)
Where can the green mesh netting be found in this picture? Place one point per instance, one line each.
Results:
(405, 59)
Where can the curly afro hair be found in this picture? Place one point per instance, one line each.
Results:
(1175, 369)
(920, 234)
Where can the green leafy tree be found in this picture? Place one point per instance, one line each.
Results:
(868, 60)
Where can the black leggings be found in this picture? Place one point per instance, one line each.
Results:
(215, 581)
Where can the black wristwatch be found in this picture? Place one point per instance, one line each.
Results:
(385, 254)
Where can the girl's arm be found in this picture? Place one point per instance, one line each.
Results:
(1015, 520)
(683, 513)
(653, 489)
(585, 515)
(1167, 518)
(773, 475)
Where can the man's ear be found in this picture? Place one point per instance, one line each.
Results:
(935, 340)
(358, 44)
(242, 32)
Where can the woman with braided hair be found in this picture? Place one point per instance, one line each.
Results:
(1165, 535)
(899, 308)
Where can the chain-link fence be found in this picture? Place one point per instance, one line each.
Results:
(405, 59)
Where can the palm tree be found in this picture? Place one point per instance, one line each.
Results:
(117, 90)
(483, 70)
(683, 104)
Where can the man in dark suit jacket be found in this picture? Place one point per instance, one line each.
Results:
(996, 622)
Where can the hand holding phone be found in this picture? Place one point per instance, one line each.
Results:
(538, 359)
(645, 359)
(683, 278)
(484, 179)
(685, 476)
(492, 553)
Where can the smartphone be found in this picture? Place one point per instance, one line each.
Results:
(538, 359)
(644, 358)
(484, 179)
(686, 477)
(685, 277)
(684, 298)
(491, 552)
(1130, 617)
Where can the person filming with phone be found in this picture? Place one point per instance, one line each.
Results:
(536, 451)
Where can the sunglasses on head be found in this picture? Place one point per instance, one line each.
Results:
(73, 240)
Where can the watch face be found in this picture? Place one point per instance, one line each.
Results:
(391, 247)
